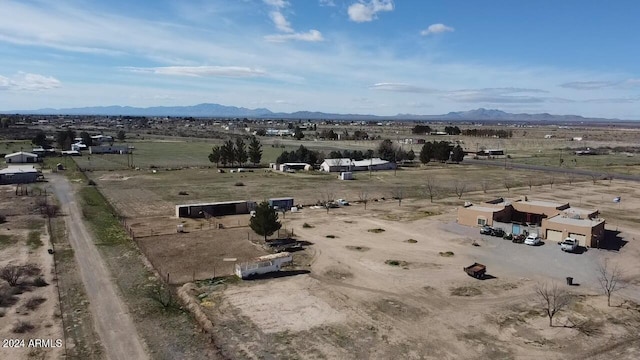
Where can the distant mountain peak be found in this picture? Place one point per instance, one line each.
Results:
(216, 110)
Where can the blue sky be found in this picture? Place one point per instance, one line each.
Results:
(379, 57)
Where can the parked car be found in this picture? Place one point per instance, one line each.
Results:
(508, 236)
(497, 232)
(569, 245)
(486, 230)
(533, 240)
(342, 202)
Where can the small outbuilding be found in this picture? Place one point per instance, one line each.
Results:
(281, 203)
(21, 157)
(19, 174)
(205, 210)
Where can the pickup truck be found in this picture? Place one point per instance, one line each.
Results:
(476, 270)
(569, 245)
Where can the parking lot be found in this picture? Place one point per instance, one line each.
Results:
(505, 258)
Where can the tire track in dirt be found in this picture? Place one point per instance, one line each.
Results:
(113, 323)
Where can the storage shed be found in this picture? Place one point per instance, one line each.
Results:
(19, 174)
(281, 203)
(205, 210)
(21, 157)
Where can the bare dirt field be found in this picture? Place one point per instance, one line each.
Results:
(390, 293)
(382, 283)
(29, 308)
(199, 254)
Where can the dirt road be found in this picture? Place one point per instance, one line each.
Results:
(113, 323)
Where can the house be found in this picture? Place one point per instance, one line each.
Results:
(551, 220)
(19, 174)
(336, 165)
(21, 157)
(106, 149)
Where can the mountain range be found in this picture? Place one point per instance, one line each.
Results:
(217, 110)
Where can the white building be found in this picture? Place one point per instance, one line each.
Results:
(21, 157)
(347, 165)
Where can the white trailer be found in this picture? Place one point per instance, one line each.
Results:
(263, 264)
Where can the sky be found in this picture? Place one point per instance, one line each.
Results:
(382, 57)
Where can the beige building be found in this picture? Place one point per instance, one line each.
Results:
(552, 221)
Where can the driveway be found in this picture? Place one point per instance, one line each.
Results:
(110, 315)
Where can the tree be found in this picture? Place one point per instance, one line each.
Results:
(240, 151)
(485, 186)
(398, 194)
(261, 132)
(265, 222)
(430, 187)
(421, 129)
(215, 155)
(386, 150)
(121, 135)
(507, 183)
(298, 133)
(458, 154)
(364, 197)
(411, 155)
(552, 179)
(610, 279)
(255, 151)
(442, 151)
(460, 187)
(228, 154)
(64, 139)
(11, 274)
(553, 299)
(86, 138)
(426, 153)
(40, 139)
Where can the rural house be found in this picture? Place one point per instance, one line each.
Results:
(552, 221)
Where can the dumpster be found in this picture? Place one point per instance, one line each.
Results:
(569, 280)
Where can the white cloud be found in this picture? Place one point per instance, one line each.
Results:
(28, 82)
(310, 36)
(201, 71)
(597, 85)
(327, 3)
(366, 11)
(277, 3)
(587, 85)
(436, 29)
(280, 21)
(400, 87)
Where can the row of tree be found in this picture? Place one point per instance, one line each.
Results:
(503, 134)
(302, 154)
(389, 151)
(231, 152)
(426, 129)
(441, 151)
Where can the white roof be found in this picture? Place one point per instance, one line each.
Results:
(485, 208)
(577, 222)
(20, 153)
(367, 162)
(19, 169)
(542, 203)
(338, 162)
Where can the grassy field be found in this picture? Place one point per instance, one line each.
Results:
(143, 193)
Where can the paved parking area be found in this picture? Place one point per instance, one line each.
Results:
(504, 258)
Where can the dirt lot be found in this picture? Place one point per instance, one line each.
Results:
(382, 294)
(199, 254)
(30, 308)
